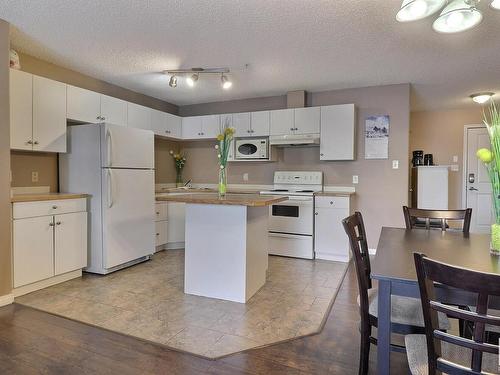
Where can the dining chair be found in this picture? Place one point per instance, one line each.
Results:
(414, 216)
(406, 312)
(444, 351)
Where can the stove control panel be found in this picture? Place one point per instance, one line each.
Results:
(298, 178)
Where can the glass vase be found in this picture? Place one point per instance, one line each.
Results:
(495, 239)
(222, 181)
(178, 178)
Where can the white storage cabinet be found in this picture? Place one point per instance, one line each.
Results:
(338, 132)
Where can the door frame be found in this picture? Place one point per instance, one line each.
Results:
(465, 161)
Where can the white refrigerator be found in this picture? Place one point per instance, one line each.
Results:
(115, 164)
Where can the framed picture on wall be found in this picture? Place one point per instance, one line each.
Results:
(377, 137)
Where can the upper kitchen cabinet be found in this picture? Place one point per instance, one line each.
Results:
(191, 127)
(210, 126)
(227, 119)
(307, 120)
(338, 132)
(49, 115)
(241, 124)
(21, 110)
(165, 124)
(83, 105)
(260, 123)
(113, 110)
(282, 121)
(139, 116)
(173, 126)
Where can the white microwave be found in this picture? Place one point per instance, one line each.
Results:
(251, 148)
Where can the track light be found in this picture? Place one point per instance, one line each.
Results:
(495, 4)
(482, 97)
(457, 16)
(191, 81)
(412, 10)
(173, 82)
(226, 83)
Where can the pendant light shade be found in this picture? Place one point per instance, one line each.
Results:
(226, 83)
(482, 97)
(412, 10)
(173, 82)
(457, 16)
(191, 81)
(495, 4)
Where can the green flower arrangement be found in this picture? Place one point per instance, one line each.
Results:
(491, 160)
(223, 147)
(180, 162)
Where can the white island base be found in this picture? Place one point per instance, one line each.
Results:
(226, 250)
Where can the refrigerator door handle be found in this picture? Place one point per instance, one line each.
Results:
(109, 140)
(110, 189)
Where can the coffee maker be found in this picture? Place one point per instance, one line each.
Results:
(418, 158)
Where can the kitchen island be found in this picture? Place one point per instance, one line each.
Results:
(226, 243)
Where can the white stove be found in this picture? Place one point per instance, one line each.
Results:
(291, 223)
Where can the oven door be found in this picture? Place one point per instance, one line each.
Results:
(294, 216)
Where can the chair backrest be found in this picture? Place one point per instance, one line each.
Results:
(480, 284)
(412, 214)
(355, 229)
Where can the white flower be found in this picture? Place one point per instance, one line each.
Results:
(216, 147)
(219, 155)
(171, 152)
(221, 167)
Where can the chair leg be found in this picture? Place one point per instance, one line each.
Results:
(364, 350)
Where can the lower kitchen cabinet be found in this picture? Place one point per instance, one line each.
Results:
(330, 239)
(161, 224)
(49, 240)
(176, 225)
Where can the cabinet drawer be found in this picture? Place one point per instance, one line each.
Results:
(332, 202)
(161, 232)
(44, 208)
(161, 211)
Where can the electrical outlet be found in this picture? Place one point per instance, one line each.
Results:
(34, 176)
(355, 179)
(245, 176)
(455, 159)
(395, 164)
(454, 168)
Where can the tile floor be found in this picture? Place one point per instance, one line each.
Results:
(147, 301)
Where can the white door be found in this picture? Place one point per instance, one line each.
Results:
(337, 135)
(477, 185)
(83, 105)
(176, 221)
(21, 110)
(282, 121)
(161, 232)
(49, 115)
(70, 248)
(139, 116)
(159, 122)
(307, 120)
(124, 147)
(241, 124)
(128, 215)
(210, 126)
(191, 127)
(33, 249)
(113, 110)
(260, 123)
(173, 125)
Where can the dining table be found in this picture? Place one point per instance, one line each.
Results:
(394, 268)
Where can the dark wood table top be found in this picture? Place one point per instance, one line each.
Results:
(394, 257)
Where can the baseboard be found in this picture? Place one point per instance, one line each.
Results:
(25, 289)
(7, 299)
(333, 257)
(175, 245)
(372, 251)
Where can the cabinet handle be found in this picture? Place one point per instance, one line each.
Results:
(35, 143)
(103, 118)
(157, 234)
(331, 202)
(98, 118)
(54, 207)
(157, 213)
(321, 154)
(316, 213)
(51, 224)
(30, 142)
(58, 223)
(292, 129)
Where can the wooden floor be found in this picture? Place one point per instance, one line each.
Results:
(33, 342)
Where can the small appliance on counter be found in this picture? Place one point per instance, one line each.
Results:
(428, 159)
(418, 158)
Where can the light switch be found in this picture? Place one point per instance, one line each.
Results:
(245, 176)
(395, 164)
(355, 179)
(455, 159)
(34, 176)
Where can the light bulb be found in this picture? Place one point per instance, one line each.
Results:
(457, 16)
(482, 97)
(412, 10)
(418, 8)
(495, 4)
(191, 81)
(173, 82)
(454, 20)
(226, 83)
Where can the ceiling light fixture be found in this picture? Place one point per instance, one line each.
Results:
(191, 81)
(226, 83)
(482, 97)
(173, 81)
(457, 16)
(412, 10)
(495, 4)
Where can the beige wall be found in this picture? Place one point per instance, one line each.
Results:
(164, 164)
(441, 133)
(5, 209)
(23, 163)
(381, 190)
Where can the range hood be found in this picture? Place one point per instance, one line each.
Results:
(290, 140)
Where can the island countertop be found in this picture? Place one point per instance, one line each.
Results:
(250, 200)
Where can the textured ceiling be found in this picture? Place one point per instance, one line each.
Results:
(314, 45)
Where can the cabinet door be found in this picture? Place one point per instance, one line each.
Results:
(282, 121)
(21, 110)
(70, 249)
(260, 123)
(307, 120)
(49, 115)
(83, 105)
(113, 110)
(139, 116)
(241, 124)
(158, 122)
(173, 125)
(191, 127)
(210, 126)
(161, 237)
(338, 132)
(176, 222)
(33, 249)
(330, 240)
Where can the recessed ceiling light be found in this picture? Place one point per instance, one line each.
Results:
(457, 16)
(495, 4)
(226, 83)
(173, 82)
(191, 81)
(412, 10)
(482, 97)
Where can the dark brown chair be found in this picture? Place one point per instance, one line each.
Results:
(406, 314)
(418, 218)
(443, 351)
